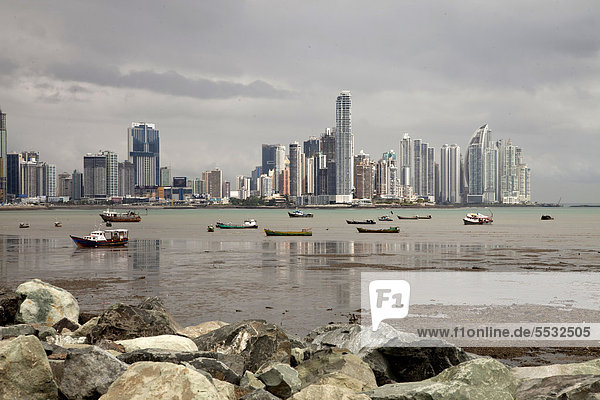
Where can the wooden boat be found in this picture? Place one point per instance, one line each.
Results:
(423, 216)
(303, 232)
(391, 229)
(478, 219)
(365, 222)
(385, 218)
(210, 228)
(248, 224)
(547, 218)
(299, 214)
(23, 225)
(114, 216)
(57, 224)
(107, 238)
(413, 217)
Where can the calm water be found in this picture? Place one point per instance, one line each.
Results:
(299, 283)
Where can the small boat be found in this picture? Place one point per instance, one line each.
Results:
(365, 222)
(249, 223)
(109, 224)
(299, 214)
(210, 228)
(57, 224)
(114, 216)
(391, 229)
(303, 232)
(385, 218)
(478, 219)
(107, 238)
(423, 216)
(23, 225)
(413, 217)
(547, 218)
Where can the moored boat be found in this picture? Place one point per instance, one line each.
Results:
(107, 238)
(249, 223)
(114, 216)
(391, 229)
(365, 222)
(478, 219)
(57, 224)
(413, 217)
(299, 214)
(385, 218)
(303, 232)
(423, 216)
(23, 225)
(210, 228)
(547, 218)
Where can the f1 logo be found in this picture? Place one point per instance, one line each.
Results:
(389, 300)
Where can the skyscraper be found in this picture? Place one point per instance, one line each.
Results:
(273, 158)
(13, 171)
(214, 183)
(405, 161)
(143, 148)
(450, 174)
(344, 148)
(295, 170)
(312, 146)
(77, 178)
(3, 153)
(363, 176)
(481, 167)
(101, 175)
(126, 179)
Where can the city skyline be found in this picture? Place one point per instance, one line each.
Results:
(530, 72)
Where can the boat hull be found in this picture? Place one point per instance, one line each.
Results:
(292, 215)
(478, 222)
(388, 230)
(269, 232)
(224, 226)
(81, 242)
(415, 217)
(368, 222)
(108, 218)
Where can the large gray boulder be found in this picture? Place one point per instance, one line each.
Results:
(25, 373)
(279, 379)
(483, 378)
(563, 387)
(121, 322)
(9, 305)
(88, 373)
(255, 340)
(198, 330)
(318, 392)
(164, 342)
(216, 369)
(337, 367)
(161, 381)
(259, 394)
(394, 356)
(16, 330)
(591, 367)
(45, 304)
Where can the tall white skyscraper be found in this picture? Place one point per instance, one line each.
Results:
(450, 174)
(481, 167)
(344, 148)
(405, 161)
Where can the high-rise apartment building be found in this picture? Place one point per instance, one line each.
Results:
(101, 175)
(295, 170)
(3, 154)
(126, 179)
(50, 180)
(273, 158)
(514, 175)
(143, 149)
(214, 183)
(344, 148)
(481, 167)
(405, 161)
(363, 176)
(312, 146)
(77, 178)
(450, 174)
(64, 185)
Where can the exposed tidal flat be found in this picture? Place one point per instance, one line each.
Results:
(298, 283)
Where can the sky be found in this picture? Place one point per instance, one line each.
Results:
(220, 78)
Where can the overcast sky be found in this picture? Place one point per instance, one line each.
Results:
(220, 78)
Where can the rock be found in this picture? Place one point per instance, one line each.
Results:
(256, 340)
(121, 322)
(164, 342)
(65, 323)
(84, 317)
(16, 330)
(216, 369)
(393, 356)
(591, 367)
(150, 380)
(66, 340)
(250, 381)
(260, 394)
(45, 304)
(159, 355)
(298, 356)
(317, 392)
(9, 306)
(229, 391)
(156, 304)
(25, 371)
(564, 387)
(86, 328)
(110, 346)
(201, 329)
(337, 367)
(88, 373)
(45, 332)
(279, 379)
(483, 378)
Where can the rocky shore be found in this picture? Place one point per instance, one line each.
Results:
(51, 350)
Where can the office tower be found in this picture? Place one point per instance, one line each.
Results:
(126, 179)
(450, 174)
(143, 148)
(254, 177)
(405, 161)
(320, 169)
(295, 170)
(328, 149)
(344, 139)
(363, 176)
(214, 183)
(3, 154)
(273, 159)
(64, 185)
(77, 178)
(481, 167)
(13, 168)
(165, 176)
(312, 146)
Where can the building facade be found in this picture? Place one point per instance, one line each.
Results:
(295, 170)
(143, 149)
(344, 148)
(3, 160)
(450, 174)
(126, 179)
